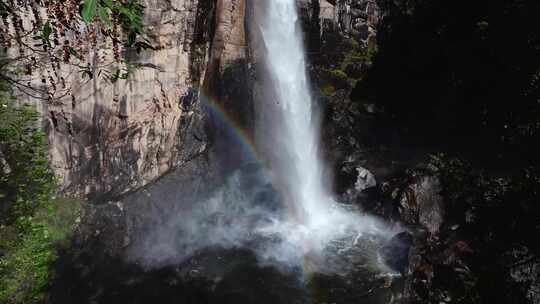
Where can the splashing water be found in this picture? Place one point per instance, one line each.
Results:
(300, 167)
(317, 218)
(284, 214)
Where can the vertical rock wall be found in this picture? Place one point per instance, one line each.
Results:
(109, 138)
(226, 86)
(357, 19)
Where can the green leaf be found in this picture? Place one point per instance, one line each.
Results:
(46, 32)
(132, 36)
(89, 10)
(115, 76)
(104, 16)
(109, 4)
(73, 52)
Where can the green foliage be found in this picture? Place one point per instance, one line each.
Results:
(31, 222)
(25, 270)
(26, 179)
(46, 33)
(89, 10)
(123, 71)
(349, 68)
(483, 26)
(359, 56)
(333, 80)
(127, 13)
(104, 16)
(130, 17)
(328, 89)
(339, 75)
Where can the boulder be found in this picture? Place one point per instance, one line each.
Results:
(421, 203)
(365, 180)
(395, 253)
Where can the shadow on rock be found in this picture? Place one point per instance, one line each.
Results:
(82, 277)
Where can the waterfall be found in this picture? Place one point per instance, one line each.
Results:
(247, 210)
(291, 134)
(297, 131)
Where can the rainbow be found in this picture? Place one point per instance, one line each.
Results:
(241, 135)
(244, 138)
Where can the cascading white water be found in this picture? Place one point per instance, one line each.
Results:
(298, 131)
(286, 63)
(318, 220)
(246, 211)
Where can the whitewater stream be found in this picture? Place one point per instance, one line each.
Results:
(299, 133)
(274, 227)
(315, 219)
(280, 209)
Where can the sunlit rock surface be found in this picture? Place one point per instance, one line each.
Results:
(108, 137)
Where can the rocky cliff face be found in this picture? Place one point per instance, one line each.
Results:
(223, 63)
(226, 90)
(223, 55)
(107, 139)
(110, 137)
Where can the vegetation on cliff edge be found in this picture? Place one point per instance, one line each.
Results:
(32, 221)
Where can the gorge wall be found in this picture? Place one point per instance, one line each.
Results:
(108, 137)
(145, 149)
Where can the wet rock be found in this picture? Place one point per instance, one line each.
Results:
(351, 13)
(439, 270)
(102, 224)
(421, 203)
(396, 252)
(365, 179)
(187, 100)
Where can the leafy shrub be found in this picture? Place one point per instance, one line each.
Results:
(498, 214)
(25, 267)
(333, 80)
(328, 89)
(32, 222)
(26, 181)
(348, 68)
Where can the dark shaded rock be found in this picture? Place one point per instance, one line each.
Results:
(84, 278)
(352, 13)
(188, 99)
(421, 203)
(396, 252)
